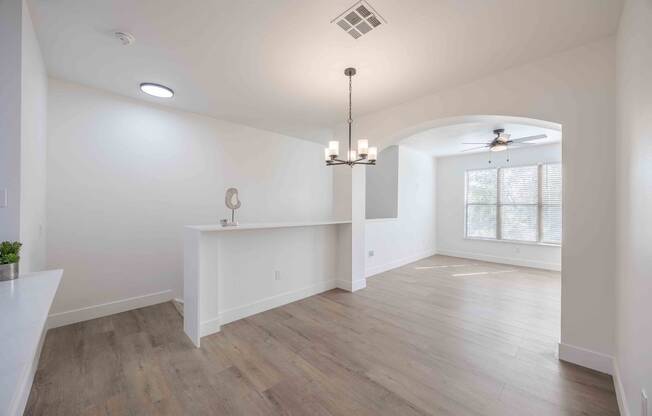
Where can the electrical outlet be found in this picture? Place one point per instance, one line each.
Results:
(371, 253)
(277, 275)
(643, 403)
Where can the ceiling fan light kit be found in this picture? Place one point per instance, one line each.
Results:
(365, 155)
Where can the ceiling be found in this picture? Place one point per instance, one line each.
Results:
(448, 140)
(278, 64)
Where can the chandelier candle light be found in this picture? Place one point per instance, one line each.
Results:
(364, 156)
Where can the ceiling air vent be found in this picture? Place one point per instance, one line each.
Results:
(354, 33)
(359, 19)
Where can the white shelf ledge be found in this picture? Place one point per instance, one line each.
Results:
(264, 225)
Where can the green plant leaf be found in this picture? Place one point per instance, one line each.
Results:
(9, 258)
(8, 247)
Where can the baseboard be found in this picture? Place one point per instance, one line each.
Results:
(598, 362)
(586, 358)
(374, 270)
(178, 305)
(620, 390)
(212, 326)
(105, 309)
(502, 260)
(352, 286)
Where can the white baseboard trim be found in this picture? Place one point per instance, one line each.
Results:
(502, 260)
(105, 309)
(212, 326)
(620, 390)
(352, 286)
(178, 304)
(586, 358)
(598, 362)
(374, 270)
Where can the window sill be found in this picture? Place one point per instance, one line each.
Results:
(527, 243)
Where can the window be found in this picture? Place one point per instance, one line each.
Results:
(551, 203)
(516, 203)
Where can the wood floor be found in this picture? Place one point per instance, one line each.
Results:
(443, 336)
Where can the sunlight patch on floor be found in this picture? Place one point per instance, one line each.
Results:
(442, 267)
(483, 273)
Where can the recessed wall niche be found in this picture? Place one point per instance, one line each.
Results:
(382, 186)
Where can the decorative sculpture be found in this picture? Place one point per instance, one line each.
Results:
(232, 202)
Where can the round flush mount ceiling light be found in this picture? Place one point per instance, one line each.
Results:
(156, 90)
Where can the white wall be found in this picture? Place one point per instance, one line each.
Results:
(450, 210)
(411, 236)
(341, 204)
(23, 115)
(33, 153)
(382, 186)
(124, 177)
(634, 285)
(577, 90)
(10, 91)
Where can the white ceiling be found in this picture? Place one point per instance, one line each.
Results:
(277, 64)
(448, 140)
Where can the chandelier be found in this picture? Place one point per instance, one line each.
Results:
(365, 155)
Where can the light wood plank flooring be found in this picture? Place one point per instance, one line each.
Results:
(442, 336)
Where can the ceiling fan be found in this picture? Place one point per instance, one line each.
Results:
(502, 141)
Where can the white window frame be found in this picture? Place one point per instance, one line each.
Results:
(539, 241)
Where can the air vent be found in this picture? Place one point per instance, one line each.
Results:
(344, 25)
(363, 27)
(354, 33)
(363, 11)
(359, 19)
(353, 18)
(374, 22)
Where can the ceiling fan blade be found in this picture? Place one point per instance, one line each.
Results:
(530, 138)
(485, 143)
(475, 148)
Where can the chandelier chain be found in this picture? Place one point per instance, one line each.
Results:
(350, 111)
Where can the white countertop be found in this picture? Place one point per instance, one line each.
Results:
(264, 225)
(24, 307)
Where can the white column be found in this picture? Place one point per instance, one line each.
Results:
(358, 198)
(351, 245)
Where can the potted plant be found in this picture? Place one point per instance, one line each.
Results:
(9, 257)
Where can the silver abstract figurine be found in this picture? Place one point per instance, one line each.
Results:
(232, 202)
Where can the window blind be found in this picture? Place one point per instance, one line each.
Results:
(481, 197)
(515, 203)
(519, 199)
(551, 203)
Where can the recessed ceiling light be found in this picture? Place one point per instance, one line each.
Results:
(156, 90)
